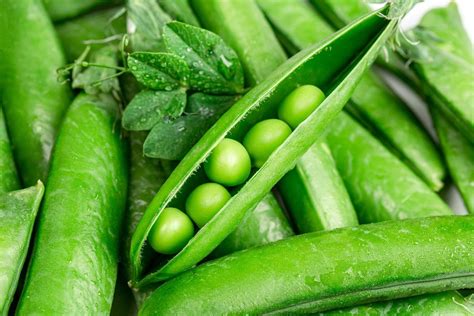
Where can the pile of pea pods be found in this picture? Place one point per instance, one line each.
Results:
(234, 157)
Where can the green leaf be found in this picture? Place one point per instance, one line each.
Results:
(97, 80)
(172, 140)
(150, 107)
(158, 71)
(146, 19)
(215, 67)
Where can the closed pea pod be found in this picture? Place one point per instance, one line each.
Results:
(60, 10)
(259, 104)
(76, 247)
(311, 272)
(8, 177)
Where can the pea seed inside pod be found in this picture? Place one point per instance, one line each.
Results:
(263, 138)
(299, 104)
(205, 201)
(229, 163)
(171, 232)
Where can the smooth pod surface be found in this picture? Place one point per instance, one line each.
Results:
(342, 69)
(33, 99)
(66, 9)
(312, 273)
(8, 176)
(18, 211)
(76, 248)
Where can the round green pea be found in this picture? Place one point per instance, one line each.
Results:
(229, 163)
(171, 232)
(263, 138)
(205, 201)
(299, 104)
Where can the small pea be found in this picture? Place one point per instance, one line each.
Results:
(299, 104)
(229, 163)
(263, 138)
(171, 232)
(205, 201)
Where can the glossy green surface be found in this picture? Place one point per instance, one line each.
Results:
(8, 175)
(312, 273)
(236, 22)
(372, 103)
(342, 68)
(18, 211)
(264, 138)
(380, 185)
(179, 10)
(299, 104)
(60, 10)
(444, 303)
(459, 155)
(229, 163)
(171, 232)
(205, 201)
(263, 224)
(76, 248)
(95, 26)
(33, 100)
(315, 194)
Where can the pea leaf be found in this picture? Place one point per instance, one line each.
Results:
(158, 71)
(172, 140)
(148, 108)
(214, 66)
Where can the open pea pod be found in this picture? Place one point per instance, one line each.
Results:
(18, 211)
(335, 66)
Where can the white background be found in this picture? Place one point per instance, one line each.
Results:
(466, 8)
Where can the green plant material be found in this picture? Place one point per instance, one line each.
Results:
(263, 224)
(8, 176)
(381, 186)
(172, 140)
(60, 10)
(445, 66)
(311, 272)
(33, 100)
(238, 23)
(315, 194)
(444, 303)
(94, 29)
(151, 107)
(146, 20)
(18, 211)
(459, 154)
(77, 240)
(214, 66)
(343, 66)
(179, 10)
(372, 103)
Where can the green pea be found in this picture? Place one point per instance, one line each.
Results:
(264, 137)
(229, 163)
(299, 104)
(171, 232)
(205, 201)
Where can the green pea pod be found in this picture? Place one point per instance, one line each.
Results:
(236, 22)
(212, 11)
(459, 153)
(312, 273)
(380, 185)
(332, 65)
(393, 122)
(444, 303)
(76, 248)
(315, 193)
(60, 10)
(33, 100)
(264, 224)
(8, 176)
(18, 211)
(179, 10)
(91, 28)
